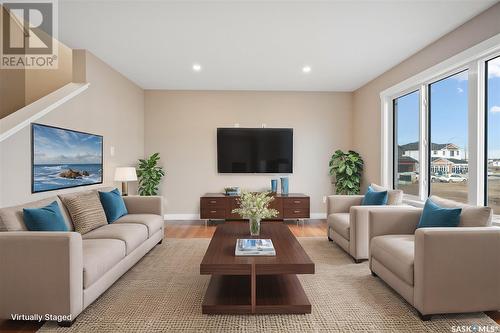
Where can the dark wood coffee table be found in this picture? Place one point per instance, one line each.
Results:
(255, 285)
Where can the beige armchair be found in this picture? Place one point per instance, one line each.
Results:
(348, 221)
(438, 270)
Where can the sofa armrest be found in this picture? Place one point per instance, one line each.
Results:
(342, 203)
(41, 273)
(394, 220)
(144, 205)
(457, 269)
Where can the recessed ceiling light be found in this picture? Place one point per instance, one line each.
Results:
(196, 67)
(306, 69)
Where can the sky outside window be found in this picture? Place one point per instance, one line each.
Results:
(493, 135)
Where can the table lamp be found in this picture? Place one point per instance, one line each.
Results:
(125, 175)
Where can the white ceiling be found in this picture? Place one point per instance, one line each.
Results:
(259, 45)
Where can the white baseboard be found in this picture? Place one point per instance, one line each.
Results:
(197, 216)
(181, 217)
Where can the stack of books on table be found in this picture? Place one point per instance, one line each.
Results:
(254, 247)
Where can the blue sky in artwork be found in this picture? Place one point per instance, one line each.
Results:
(449, 104)
(58, 146)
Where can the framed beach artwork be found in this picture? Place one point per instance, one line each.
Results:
(63, 158)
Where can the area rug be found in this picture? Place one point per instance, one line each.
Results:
(164, 292)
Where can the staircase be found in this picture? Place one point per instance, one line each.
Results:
(27, 94)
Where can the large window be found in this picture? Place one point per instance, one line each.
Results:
(443, 138)
(407, 142)
(448, 111)
(493, 133)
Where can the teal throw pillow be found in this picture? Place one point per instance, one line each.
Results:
(435, 216)
(113, 205)
(48, 218)
(374, 198)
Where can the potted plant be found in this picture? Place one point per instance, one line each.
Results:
(149, 174)
(346, 168)
(255, 207)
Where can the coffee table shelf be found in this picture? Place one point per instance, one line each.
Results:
(274, 294)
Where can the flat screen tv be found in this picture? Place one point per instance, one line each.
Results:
(63, 158)
(255, 150)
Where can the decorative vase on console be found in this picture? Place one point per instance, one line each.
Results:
(274, 185)
(255, 207)
(284, 185)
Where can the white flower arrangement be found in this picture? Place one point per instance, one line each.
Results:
(255, 206)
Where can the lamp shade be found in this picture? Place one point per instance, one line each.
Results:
(125, 174)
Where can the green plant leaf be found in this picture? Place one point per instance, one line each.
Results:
(346, 168)
(149, 174)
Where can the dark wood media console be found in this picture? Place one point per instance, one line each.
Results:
(215, 206)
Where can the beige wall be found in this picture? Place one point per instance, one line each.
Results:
(112, 106)
(366, 100)
(181, 125)
(41, 82)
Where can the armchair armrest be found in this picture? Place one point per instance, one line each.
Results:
(394, 220)
(342, 203)
(359, 217)
(42, 273)
(457, 269)
(144, 205)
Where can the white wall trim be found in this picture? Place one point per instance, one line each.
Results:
(16, 121)
(170, 217)
(184, 217)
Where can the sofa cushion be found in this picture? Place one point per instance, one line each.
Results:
(472, 216)
(47, 218)
(131, 233)
(396, 253)
(152, 221)
(11, 218)
(339, 222)
(394, 197)
(113, 205)
(86, 211)
(99, 256)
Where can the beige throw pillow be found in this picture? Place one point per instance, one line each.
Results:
(394, 197)
(86, 212)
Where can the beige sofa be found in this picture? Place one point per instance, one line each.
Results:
(61, 273)
(438, 270)
(348, 221)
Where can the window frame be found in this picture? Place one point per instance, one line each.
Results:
(485, 109)
(474, 60)
(394, 132)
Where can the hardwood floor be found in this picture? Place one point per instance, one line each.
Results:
(197, 229)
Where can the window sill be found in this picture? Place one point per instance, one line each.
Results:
(414, 202)
(496, 220)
